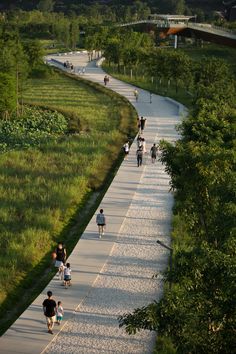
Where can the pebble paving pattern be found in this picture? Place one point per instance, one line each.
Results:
(125, 281)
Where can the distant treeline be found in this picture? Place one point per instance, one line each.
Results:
(118, 8)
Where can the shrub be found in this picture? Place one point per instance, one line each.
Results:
(33, 128)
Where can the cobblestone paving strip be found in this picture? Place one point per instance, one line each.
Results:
(126, 279)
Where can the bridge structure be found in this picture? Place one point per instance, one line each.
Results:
(178, 25)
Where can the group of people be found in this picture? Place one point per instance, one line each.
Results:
(141, 144)
(64, 270)
(68, 65)
(81, 71)
(54, 311)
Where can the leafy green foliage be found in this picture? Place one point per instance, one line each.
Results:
(198, 315)
(33, 128)
(7, 94)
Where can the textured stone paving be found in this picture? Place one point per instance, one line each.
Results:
(126, 279)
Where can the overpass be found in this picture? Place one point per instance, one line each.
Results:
(166, 25)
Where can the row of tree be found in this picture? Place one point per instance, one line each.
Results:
(123, 10)
(130, 50)
(198, 315)
(17, 60)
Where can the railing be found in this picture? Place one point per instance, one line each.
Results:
(165, 24)
(211, 28)
(57, 61)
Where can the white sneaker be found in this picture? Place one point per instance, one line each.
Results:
(100, 236)
(103, 234)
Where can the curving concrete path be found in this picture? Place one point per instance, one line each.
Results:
(112, 275)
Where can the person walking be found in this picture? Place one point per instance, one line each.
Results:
(139, 154)
(144, 145)
(150, 96)
(106, 80)
(60, 258)
(142, 123)
(153, 153)
(139, 141)
(136, 94)
(67, 275)
(59, 312)
(49, 309)
(101, 222)
(126, 149)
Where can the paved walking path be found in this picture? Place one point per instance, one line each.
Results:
(112, 275)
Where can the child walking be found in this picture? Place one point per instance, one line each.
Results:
(67, 276)
(59, 312)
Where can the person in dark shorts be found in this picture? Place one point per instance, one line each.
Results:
(49, 309)
(153, 153)
(67, 275)
(101, 222)
(60, 258)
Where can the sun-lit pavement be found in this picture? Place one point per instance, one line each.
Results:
(125, 281)
(112, 275)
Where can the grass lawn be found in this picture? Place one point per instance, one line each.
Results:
(43, 190)
(212, 50)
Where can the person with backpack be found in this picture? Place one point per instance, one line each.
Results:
(101, 222)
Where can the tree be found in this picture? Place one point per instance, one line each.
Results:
(179, 68)
(198, 314)
(34, 51)
(179, 6)
(46, 5)
(114, 51)
(8, 99)
(213, 80)
(74, 33)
